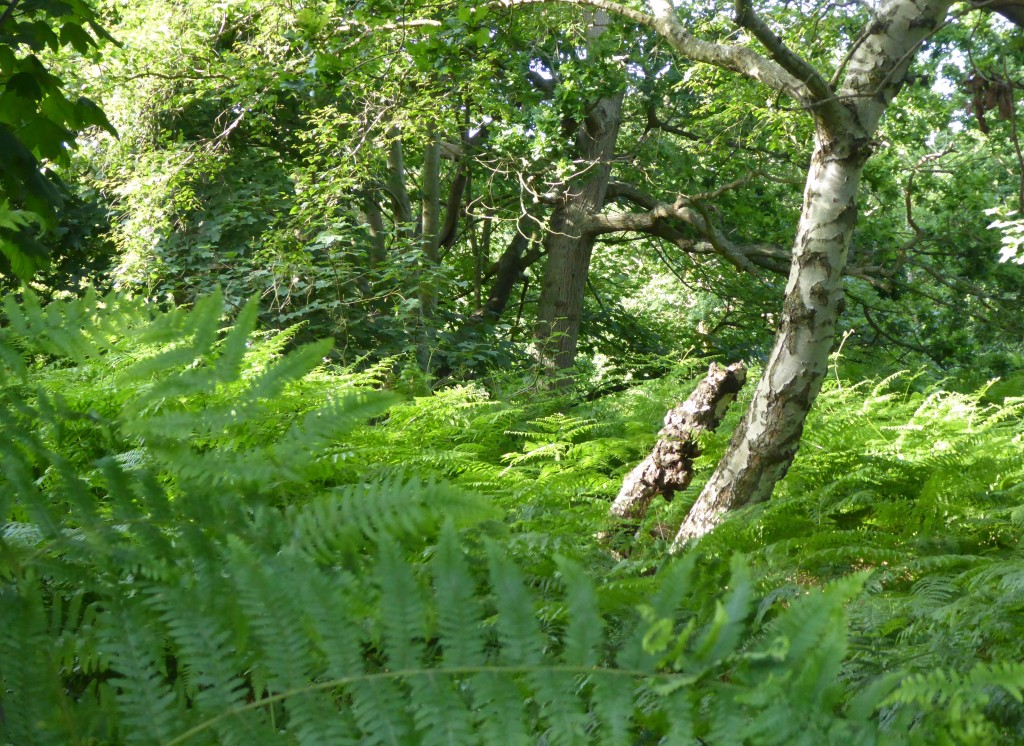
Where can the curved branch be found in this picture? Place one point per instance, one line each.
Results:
(655, 222)
(1011, 10)
(820, 91)
(735, 57)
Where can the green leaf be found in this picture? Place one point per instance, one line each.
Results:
(77, 37)
(89, 114)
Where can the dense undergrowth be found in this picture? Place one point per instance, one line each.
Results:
(208, 539)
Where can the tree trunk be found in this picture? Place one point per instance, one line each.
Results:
(569, 246)
(509, 271)
(370, 215)
(430, 226)
(766, 441)
(401, 207)
(669, 468)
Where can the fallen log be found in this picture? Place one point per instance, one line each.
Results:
(669, 467)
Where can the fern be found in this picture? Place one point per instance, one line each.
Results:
(213, 538)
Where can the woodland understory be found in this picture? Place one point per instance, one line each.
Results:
(527, 372)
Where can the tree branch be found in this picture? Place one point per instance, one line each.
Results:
(669, 467)
(453, 211)
(735, 57)
(659, 212)
(1012, 10)
(821, 93)
(657, 222)
(396, 26)
(8, 12)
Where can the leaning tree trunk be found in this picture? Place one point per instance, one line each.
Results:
(766, 441)
(568, 246)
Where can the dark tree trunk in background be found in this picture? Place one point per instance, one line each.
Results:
(374, 220)
(430, 227)
(401, 207)
(568, 245)
(508, 271)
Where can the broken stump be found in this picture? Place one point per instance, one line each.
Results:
(669, 467)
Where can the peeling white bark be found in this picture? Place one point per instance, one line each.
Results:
(767, 439)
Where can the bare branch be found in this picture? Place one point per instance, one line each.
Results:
(660, 212)
(346, 28)
(735, 57)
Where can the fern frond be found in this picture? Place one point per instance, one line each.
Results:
(212, 670)
(149, 709)
(457, 608)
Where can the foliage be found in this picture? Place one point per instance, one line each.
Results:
(923, 488)
(258, 156)
(187, 559)
(39, 118)
(219, 528)
(918, 486)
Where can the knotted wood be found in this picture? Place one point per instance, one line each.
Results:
(669, 467)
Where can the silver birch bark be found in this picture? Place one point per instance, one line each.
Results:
(767, 439)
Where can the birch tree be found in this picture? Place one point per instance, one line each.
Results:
(846, 114)
(846, 108)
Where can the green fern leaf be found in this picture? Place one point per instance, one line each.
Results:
(150, 711)
(458, 611)
(402, 610)
(236, 342)
(584, 633)
(522, 643)
(291, 367)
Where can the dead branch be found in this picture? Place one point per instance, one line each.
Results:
(669, 467)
